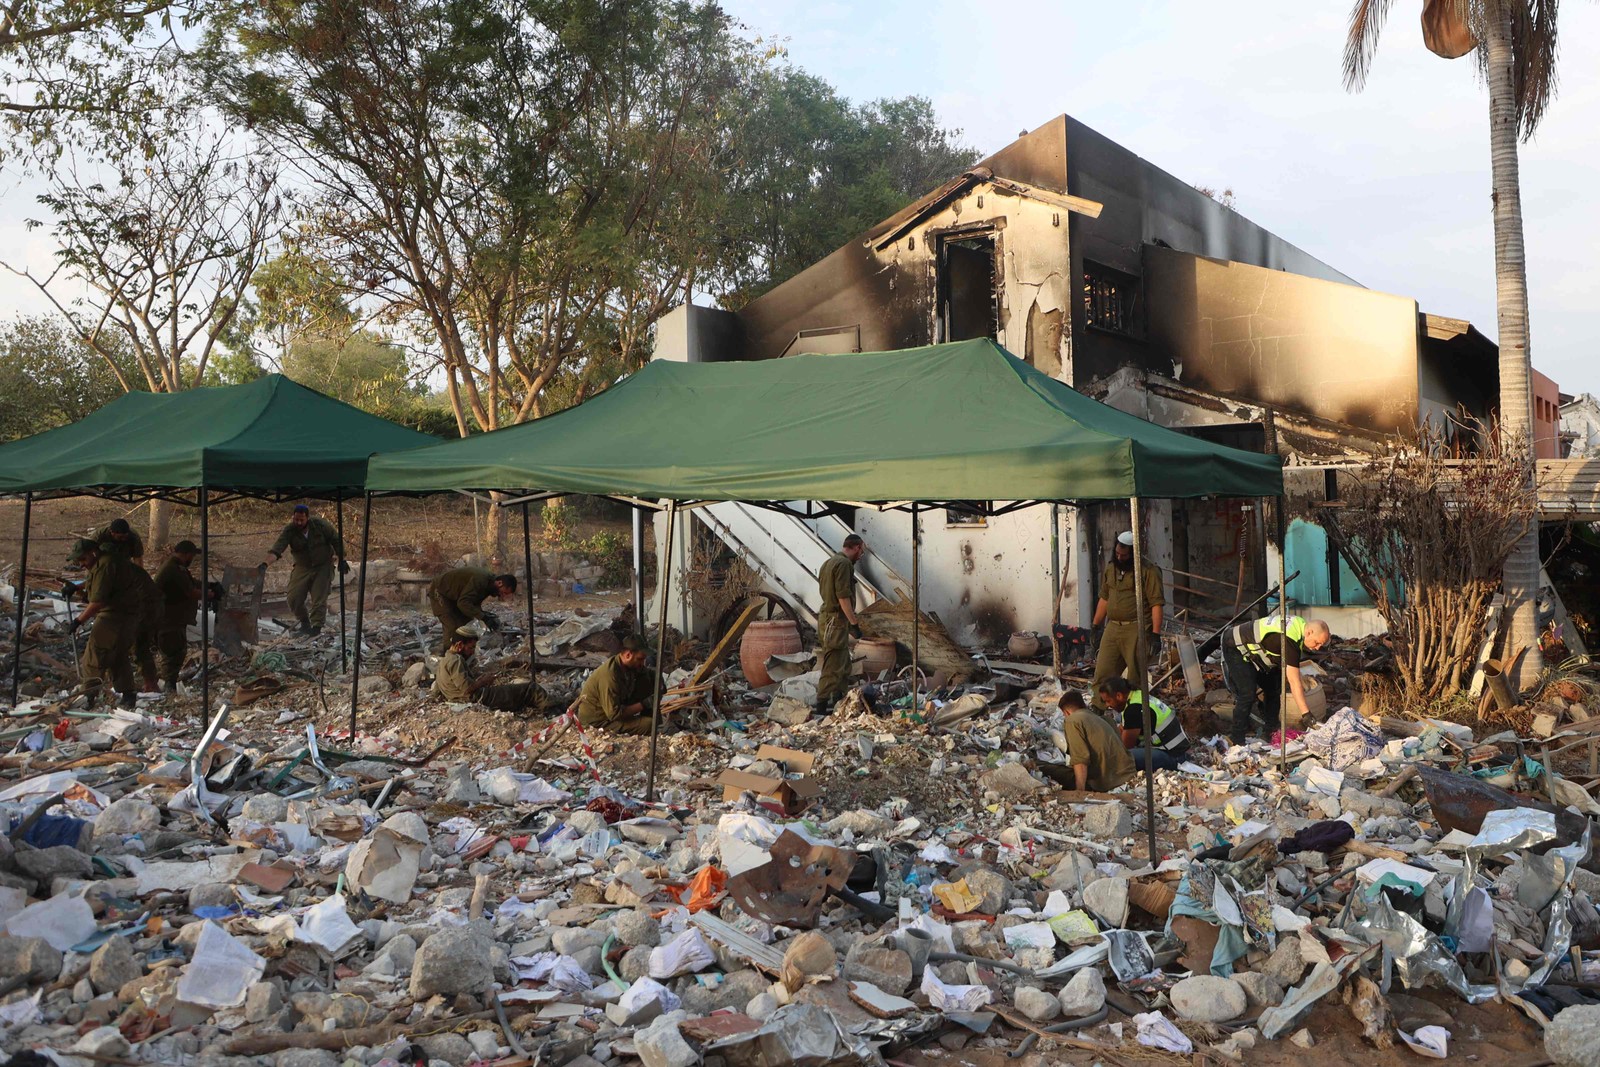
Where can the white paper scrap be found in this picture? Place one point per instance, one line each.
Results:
(222, 971)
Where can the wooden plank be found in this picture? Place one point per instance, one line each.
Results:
(764, 957)
(729, 639)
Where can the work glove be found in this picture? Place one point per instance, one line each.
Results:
(262, 566)
(70, 590)
(216, 592)
(855, 631)
(344, 566)
(491, 620)
(1152, 646)
(77, 621)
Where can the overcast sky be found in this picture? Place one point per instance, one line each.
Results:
(1390, 186)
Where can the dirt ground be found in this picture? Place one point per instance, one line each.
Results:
(427, 532)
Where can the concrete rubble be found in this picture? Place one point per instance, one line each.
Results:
(434, 892)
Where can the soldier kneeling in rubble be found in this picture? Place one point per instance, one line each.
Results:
(458, 679)
(1169, 742)
(618, 695)
(1100, 761)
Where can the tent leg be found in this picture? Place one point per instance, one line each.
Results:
(638, 570)
(205, 610)
(344, 652)
(661, 650)
(22, 598)
(527, 578)
(1143, 671)
(1055, 586)
(361, 604)
(916, 607)
(1283, 674)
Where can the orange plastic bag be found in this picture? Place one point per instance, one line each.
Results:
(703, 890)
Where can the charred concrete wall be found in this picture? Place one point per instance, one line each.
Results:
(1144, 205)
(1335, 351)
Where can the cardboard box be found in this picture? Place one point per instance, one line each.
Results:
(791, 794)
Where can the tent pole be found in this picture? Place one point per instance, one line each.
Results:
(1055, 588)
(22, 598)
(361, 604)
(527, 578)
(661, 650)
(638, 570)
(1283, 672)
(1142, 670)
(205, 612)
(916, 605)
(344, 653)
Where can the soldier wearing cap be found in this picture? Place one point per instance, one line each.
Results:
(459, 681)
(114, 603)
(119, 537)
(180, 599)
(1118, 611)
(618, 695)
(315, 545)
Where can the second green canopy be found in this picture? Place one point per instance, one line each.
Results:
(963, 421)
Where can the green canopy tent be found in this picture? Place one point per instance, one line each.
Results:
(271, 439)
(951, 423)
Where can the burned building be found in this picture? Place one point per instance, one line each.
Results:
(1106, 272)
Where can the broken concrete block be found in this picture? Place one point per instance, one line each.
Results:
(1084, 995)
(992, 887)
(1108, 898)
(113, 966)
(1107, 821)
(454, 960)
(1010, 780)
(30, 956)
(130, 815)
(45, 865)
(1208, 999)
(1286, 965)
(1544, 724)
(1369, 805)
(1036, 1004)
(887, 968)
(661, 1044)
(1262, 990)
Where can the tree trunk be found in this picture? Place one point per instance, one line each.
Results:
(160, 530)
(495, 534)
(1521, 575)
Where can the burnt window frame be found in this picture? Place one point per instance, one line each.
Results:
(989, 229)
(1130, 299)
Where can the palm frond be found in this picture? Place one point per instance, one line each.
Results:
(1361, 42)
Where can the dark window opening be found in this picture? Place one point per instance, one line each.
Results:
(973, 513)
(1110, 299)
(967, 288)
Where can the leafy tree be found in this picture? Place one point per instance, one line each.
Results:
(362, 369)
(816, 170)
(1513, 43)
(71, 66)
(50, 378)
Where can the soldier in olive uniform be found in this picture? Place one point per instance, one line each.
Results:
(180, 598)
(456, 598)
(1120, 651)
(459, 681)
(114, 603)
(618, 695)
(315, 545)
(119, 537)
(836, 622)
(144, 637)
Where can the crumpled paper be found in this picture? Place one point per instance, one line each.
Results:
(1430, 1041)
(222, 971)
(555, 970)
(953, 997)
(1157, 1031)
(686, 953)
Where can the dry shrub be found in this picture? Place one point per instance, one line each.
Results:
(717, 578)
(1428, 537)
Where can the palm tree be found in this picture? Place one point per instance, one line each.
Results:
(1514, 42)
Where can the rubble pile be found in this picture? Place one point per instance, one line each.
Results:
(897, 880)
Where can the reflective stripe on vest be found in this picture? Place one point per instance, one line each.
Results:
(1169, 731)
(1247, 637)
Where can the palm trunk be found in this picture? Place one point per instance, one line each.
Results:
(1521, 576)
